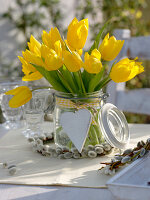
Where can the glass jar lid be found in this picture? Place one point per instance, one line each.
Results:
(114, 126)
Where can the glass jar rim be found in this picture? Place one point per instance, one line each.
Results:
(93, 95)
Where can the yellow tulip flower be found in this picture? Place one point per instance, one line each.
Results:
(45, 50)
(125, 70)
(21, 96)
(53, 58)
(27, 68)
(32, 58)
(72, 61)
(79, 51)
(92, 62)
(50, 38)
(31, 74)
(110, 47)
(34, 46)
(77, 33)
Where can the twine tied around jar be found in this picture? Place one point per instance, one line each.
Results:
(67, 102)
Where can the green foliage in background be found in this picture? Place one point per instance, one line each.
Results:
(128, 14)
(125, 14)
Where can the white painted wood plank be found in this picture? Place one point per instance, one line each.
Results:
(139, 47)
(111, 90)
(136, 101)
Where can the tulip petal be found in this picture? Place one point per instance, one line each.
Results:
(110, 47)
(34, 46)
(26, 66)
(125, 70)
(92, 62)
(58, 48)
(45, 50)
(50, 38)
(21, 96)
(73, 22)
(77, 33)
(32, 58)
(73, 61)
(32, 77)
(16, 90)
(53, 62)
(96, 54)
(20, 99)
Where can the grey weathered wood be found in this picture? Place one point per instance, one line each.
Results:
(139, 47)
(136, 101)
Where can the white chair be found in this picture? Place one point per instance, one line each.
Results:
(137, 100)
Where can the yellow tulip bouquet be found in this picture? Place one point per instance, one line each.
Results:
(59, 62)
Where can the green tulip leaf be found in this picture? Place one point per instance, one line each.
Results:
(95, 80)
(98, 37)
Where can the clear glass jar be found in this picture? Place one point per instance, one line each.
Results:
(68, 103)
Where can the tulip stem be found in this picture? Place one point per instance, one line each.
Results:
(65, 82)
(41, 88)
(82, 85)
(107, 82)
(104, 82)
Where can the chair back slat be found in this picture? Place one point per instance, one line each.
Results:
(139, 47)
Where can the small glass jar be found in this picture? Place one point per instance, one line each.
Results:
(107, 124)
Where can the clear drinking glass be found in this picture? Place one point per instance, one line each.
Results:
(34, 112)
(12, 115)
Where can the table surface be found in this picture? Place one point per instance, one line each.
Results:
(22, 192)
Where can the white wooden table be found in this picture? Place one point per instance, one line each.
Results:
(22, 192)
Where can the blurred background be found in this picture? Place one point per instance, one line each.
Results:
(21, 18)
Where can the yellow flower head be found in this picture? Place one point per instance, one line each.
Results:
(31, 74)
(53, 58)
(28, 69)
(79, 51)
(21, 96)
(125, 70)
(34, 46)
(92, 62)
(110, 47)
(50, 38)
(72, 61)
(32, 58)
(77, 33)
